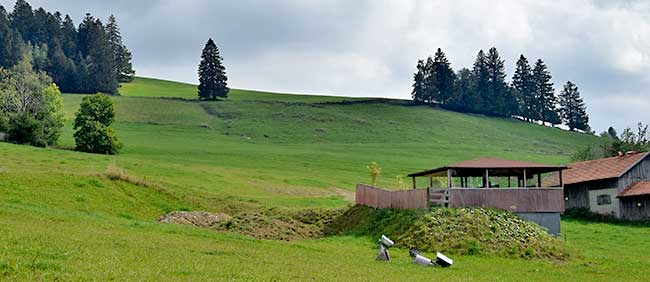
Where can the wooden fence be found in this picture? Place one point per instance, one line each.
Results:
(526, 200)
(378, 198)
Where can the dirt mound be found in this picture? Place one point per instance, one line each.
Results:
(200, 219)
(269, 224)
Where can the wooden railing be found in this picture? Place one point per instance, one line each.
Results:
(378, 198)
(510, 199)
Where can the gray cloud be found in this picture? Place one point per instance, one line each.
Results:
(369, 48)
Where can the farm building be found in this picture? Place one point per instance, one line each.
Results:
(618, 186)
(487, 183)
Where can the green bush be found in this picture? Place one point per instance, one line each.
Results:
(4, 123)
(468, 231)
(92, 124)
(23, 129)
(584, 214)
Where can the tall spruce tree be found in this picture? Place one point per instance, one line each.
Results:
(39, 28)
(480, 72)
(22, 19)
(69, 37)
(95, 47)
(419, 86)
(545, 105)
(522, 82)
(78, 61)
(122, 56)
(501, 104)
(463, 96)
(83, 33)
(11, 43)
(429, 81)
(212, 74)
(443, 84)
(573, 110)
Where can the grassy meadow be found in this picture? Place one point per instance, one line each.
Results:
(62, 219)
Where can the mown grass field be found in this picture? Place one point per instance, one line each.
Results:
(61, 220)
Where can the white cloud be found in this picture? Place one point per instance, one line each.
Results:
(369, 48)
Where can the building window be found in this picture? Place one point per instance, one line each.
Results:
(604, 200)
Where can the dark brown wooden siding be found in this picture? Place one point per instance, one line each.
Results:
(378, 198)
(640, 172)
(635, 208)
(577, 195)
(529, 200)
(514, 200)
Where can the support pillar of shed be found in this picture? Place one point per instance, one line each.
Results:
(525, 180)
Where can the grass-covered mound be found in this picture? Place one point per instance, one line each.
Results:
(467, 231)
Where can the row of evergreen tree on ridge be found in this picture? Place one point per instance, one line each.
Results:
(87, 59)
(484, 90)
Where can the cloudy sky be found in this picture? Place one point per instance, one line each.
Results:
(370, 48)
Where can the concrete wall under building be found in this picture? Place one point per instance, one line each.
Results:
(604, 201)
(548, 220)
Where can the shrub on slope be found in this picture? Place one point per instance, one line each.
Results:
(470, 231)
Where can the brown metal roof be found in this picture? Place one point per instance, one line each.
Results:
(636, 189)
(491, 163)
(600, 169)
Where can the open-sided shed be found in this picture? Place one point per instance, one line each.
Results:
(508, 185)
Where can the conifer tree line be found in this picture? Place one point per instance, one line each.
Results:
(90, 58)
(483, 89)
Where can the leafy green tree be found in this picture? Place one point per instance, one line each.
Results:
(612, 145)
(212, 74)
(375, 171)
(522, 82)
(638, 141)
(92, 124)
(572, 108)
(121, 55)
(32, 105)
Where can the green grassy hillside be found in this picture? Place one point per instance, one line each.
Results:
(63, 219)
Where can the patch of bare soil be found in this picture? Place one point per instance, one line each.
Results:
(200, 219)
(270, 224)
(347, 195)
